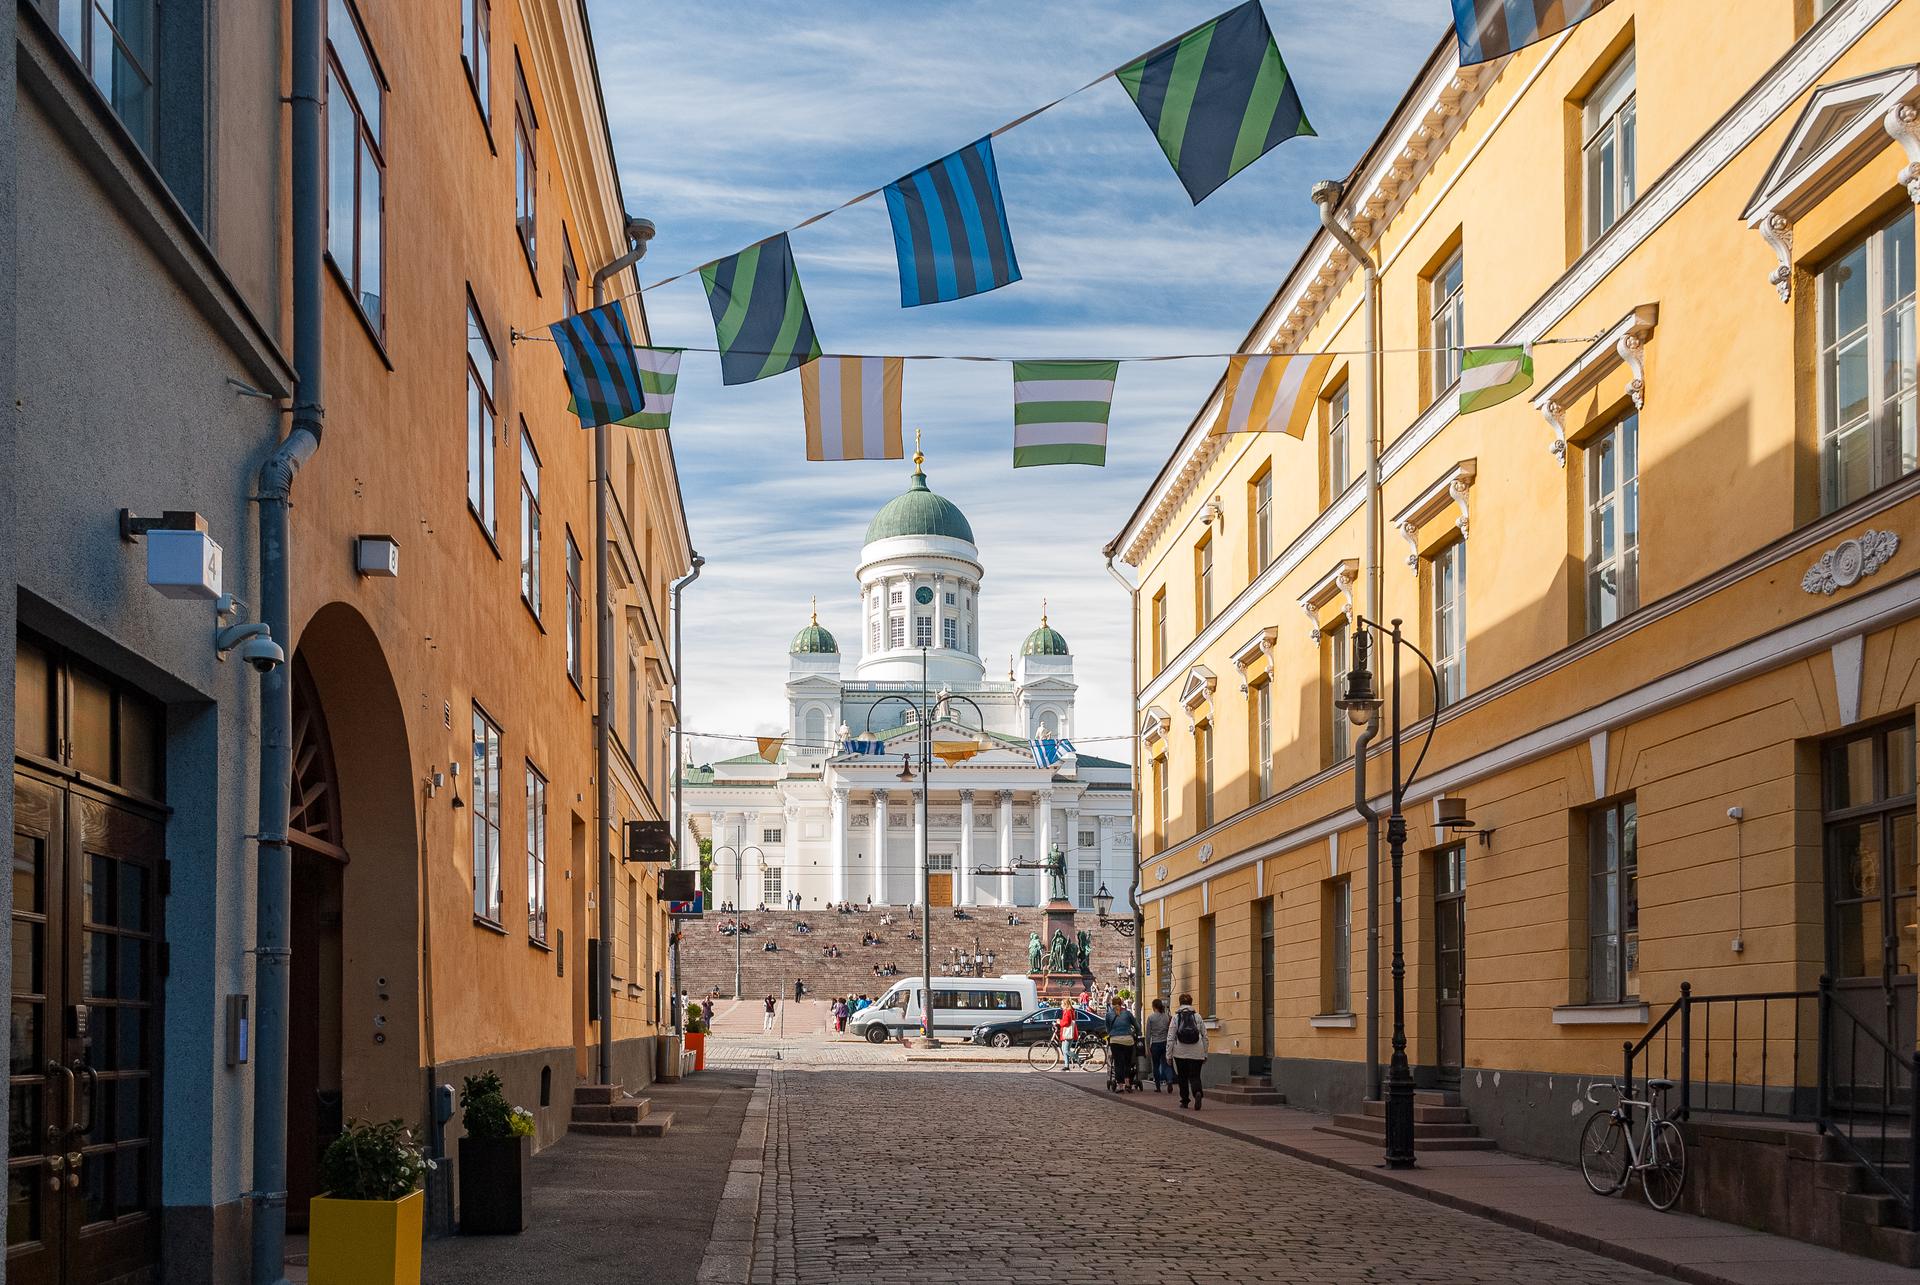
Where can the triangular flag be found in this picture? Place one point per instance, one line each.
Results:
(1273, 393)
(1060, 411)
(950, 228)
(1490, 29)
(596, 349)
(1217, 99)
(770, 747)
(1489, 376)
(852, 407)
(955, 751)
(659, 374)
(759, 312)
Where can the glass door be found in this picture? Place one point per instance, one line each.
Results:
(1450, 959)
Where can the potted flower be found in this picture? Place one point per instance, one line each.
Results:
(366, 1228)
(697, 1035)
(496, 1159)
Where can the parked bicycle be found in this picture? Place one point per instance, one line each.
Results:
(1612, 1150)
(1089, 1054)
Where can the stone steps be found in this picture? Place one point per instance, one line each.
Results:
(602, 1111)
(1440, 1123)
(1243, 1095)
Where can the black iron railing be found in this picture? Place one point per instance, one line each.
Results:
(1749, 1054)
(1867, 1098)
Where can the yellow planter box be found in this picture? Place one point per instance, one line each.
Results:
(365, 1242)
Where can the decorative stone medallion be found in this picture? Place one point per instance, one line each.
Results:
(1206, 852)
(1844, 565)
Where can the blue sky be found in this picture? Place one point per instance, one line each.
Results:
(732, 121)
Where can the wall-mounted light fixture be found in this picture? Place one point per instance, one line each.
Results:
(376, 555)
(183, 561)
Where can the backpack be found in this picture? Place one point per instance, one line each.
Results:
(1186, 1027)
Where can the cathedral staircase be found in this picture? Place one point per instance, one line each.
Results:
(601, 1111)
(1440, 1123)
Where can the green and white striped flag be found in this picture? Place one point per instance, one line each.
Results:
(659, 372)
(1489, 376)
(1060, 411)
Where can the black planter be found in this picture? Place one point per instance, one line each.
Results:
(496, 1185)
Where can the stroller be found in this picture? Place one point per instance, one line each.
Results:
(1123, 1064)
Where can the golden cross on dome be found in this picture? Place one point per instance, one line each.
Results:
(919, 457)
(815, 604)
(1043, 613)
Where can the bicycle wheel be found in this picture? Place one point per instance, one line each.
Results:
(1666, 1168)
(1603, 1153)
(1044, 1057)
(1093, 1057)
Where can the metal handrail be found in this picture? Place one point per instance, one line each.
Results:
(1843, 1127)
(1635, 1051)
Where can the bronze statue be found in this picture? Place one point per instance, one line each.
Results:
(1034, 952)
(1057, 873)
(1086, 952)
(1058, 963)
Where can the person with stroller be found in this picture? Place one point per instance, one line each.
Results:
(1123, 1039)
(1159, 1022)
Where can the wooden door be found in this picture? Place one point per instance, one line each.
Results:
(939, 887)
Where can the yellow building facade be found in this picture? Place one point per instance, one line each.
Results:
(1668, 590)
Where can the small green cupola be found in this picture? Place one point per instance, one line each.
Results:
(1046, 640)
(814, 640)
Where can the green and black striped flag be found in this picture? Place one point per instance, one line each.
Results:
(1218, 98)
(759, 313)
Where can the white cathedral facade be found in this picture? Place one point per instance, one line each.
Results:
(832, 820)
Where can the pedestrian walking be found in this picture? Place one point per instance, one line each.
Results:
(706, 1012)
(1159, 1023)
(767, 1025)
(1123, 1035)
(1069, 1028)
(1189, 1049)
(839, 1015)
(799, 989)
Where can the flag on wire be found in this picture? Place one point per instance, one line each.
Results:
(1060, 411)
(1490, 29)
(759, 312)
(659, 372)
(770, 747)
(955, 751)
(1218, 98)
(596, 350)
(1047, 751)
(950, 228)
(852, 407)
(1489, 376)
(856, 746)
(1273, 393)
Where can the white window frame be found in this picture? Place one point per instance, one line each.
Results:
(476, 52)
(1612, 462)
(770, 834)
(949, 632)
(529, 521)
(1203, 764)
(1339, 444)
(526, 167)
(576, 653)
(482, 418)
(1447, 321)
(1891, 445)
(1340, 948)
(772, 887)
(897, 633)
(485, 807)
(1262, 521)
(1608, 143)
(1449, 566)
(1339, 660)
(1613, 900)
(1262, 695)
(922, 630)
(536, 854)
(1085, 887)
(1203, 580)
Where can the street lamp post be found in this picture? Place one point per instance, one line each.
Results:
(738, 856)
(1126, 925)
(1361, 701)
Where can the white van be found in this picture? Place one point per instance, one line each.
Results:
(959, 1005)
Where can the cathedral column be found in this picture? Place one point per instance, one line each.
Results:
(1072, 845)
(1042, 841)
(939, 607)
(963, 880)
(837, 887)
(880, 847)
(919, 846)
(1006, 847)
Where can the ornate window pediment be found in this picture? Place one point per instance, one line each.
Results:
(1624, 343)
(1450, 489)
(1254, 657)
(1842, 127)
(1337, 583)
(1197, 690)
(1154, 724)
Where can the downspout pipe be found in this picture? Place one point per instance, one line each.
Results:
(1139, 808)
(638, 233)
(679, 765)
(1328, 195)
(274, 875)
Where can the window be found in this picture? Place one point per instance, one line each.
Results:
(529, 521)
(1607, 130)
(770, 889)
(1867, 366)
(1159, 631)
(1869, 834)
(1085, 889)
(1613, 904)
(1087, 840)
(1208, 960)
(1338, 934)
(575, 606)
(1203, 765)
(569, 276)
(770, 835)
(923, 631)
(476, 39)
(1262, 534)
(536, 854)
(896, 598)
(1203, 581)
(1162, 803)
(1447, 322)
(1261, 751)
(634, 969)
(949, 632)
(480, 414)
(875, 634)
(1613, 524)
(356, 162)
(1339, 444)
(1450, 621)
(1339, 658)
(897, 632)
(526, 165)
(115, 41)
(486, 818)
(633, 705)
(950, 597)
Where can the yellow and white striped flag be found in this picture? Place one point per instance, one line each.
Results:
(852, 407)
(1272, 393)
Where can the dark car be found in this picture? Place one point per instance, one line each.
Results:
(1036, 1027)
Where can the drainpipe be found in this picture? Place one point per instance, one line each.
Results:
(638, 232)
(679, 771)
(1327, 195)
(274, 879)
(1139, 915)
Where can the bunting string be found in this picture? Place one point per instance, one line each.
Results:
(518, 335)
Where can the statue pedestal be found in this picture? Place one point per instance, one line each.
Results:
(1055, 985)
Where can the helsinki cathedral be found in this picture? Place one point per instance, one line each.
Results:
(830, 817)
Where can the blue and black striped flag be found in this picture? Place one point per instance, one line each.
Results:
(597, 351)
(759, 313)
(1218, 98)
(950, 228)
(1490, 29)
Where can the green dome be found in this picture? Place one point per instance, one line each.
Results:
(919, 512)
(814, 640)
(1044, 641)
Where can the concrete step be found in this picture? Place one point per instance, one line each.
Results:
(595, 1094)
(1421, 1114)
(628, 1110)
(1246, 1096)
(652, 1127)
(1875, 1209)
(1252, 1081)
(1436, 1098)
(1377, 1126)
(1893, 1245)
(1840, 1175)
(1419, 1144)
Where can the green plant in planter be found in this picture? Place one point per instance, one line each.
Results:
(521, 1122)
(373, 1162)
(696, 1020)
(484, 1107)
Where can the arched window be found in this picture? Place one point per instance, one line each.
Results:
(815, 731)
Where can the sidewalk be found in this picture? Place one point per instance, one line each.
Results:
(1546, 1199)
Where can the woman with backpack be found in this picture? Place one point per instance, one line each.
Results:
(1189, 1049)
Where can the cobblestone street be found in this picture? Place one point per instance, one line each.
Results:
(990, 1176)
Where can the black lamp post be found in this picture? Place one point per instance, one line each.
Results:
(1361, 701)
(1102, 904)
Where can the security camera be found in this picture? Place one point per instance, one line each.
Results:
(253, 643)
